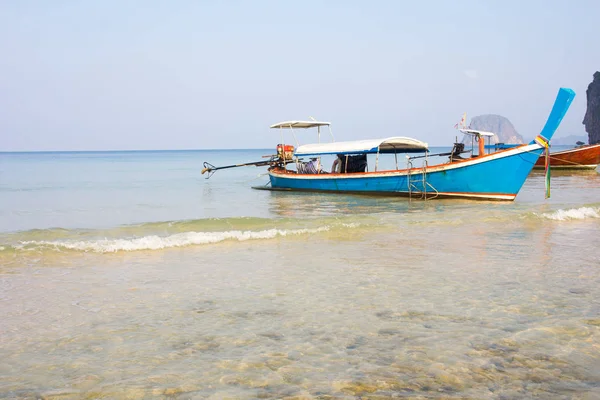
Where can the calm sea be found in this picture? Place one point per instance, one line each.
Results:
(130, 275)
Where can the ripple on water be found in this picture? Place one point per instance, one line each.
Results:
(345, 323)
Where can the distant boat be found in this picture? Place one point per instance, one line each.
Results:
(496, 176)
(581, 157)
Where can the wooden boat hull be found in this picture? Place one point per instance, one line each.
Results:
(497, 176)
(584, 157)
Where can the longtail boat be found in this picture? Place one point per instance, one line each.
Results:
(496, 176)
(582, 157)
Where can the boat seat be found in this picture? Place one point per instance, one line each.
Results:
(311, 167)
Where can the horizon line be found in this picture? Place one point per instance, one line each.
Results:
(190, 149)
(142, 150)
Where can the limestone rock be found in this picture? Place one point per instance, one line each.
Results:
(504, 130)
(592, 115)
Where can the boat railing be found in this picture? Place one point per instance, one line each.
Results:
(408, 177)
(426, 184)
(412, 187)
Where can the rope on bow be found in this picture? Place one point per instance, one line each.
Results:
(546, 145)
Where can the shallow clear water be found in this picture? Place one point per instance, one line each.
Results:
(128, 275)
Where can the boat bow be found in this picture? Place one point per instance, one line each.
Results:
(561, 106)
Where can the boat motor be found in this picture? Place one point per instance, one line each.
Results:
(285, 152)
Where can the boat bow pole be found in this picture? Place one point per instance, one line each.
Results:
(561, 105)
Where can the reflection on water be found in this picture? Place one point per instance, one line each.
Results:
(315, 204)
(309, 204)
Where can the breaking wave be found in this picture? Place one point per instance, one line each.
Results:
(169, 234)
(573, 214)
(154, 242)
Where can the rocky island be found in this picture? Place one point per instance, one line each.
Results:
(591, 120)
(504, 130)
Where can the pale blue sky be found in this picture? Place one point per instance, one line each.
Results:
(83, 75)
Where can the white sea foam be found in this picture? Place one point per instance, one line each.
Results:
(154, 242)
(573, 213)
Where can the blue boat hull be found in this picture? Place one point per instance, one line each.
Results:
(497, 176)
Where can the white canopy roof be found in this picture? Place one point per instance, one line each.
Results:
(389, 145)
(474, 132)
(299, 124)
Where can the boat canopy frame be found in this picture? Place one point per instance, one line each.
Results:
(292, 125)
(391, 145)
(477, 135)
(395, 144)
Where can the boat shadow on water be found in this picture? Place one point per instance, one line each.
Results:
(318, 204)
